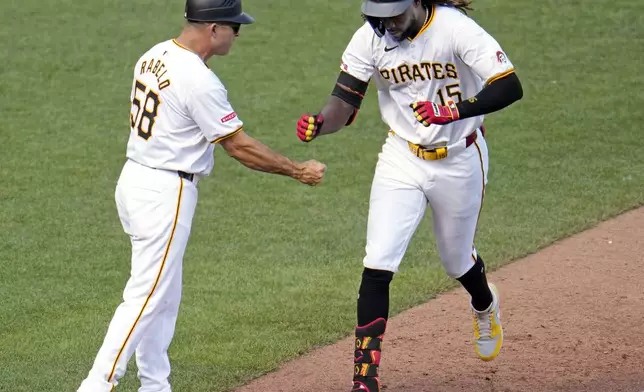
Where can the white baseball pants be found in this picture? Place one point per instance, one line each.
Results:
(156, 208)
(403, 186)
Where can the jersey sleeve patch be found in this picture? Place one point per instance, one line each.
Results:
(228, 117)
(501, 57)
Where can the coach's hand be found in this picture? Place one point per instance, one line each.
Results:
(428, 113)
(308, 126)
(310, 172)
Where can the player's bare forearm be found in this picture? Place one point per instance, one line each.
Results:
(340, 110)
(257, 156)
(336, 114)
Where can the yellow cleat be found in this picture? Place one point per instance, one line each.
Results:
(488, 332)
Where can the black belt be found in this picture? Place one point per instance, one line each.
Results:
(188, 176)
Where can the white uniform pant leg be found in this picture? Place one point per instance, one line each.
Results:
(156, 209)
(456, 199)
(396, 206)
(152, 352)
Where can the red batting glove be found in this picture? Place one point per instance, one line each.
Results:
(308, 127)
(428, 113)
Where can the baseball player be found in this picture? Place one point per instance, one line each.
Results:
(437, 73)
(179, 112)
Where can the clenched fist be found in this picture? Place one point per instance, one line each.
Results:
(308, 127)
(428, 113)
(310, 172)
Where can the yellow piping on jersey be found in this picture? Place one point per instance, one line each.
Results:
(233, 133)
(499, 76)
(174, 41)
(181, 46)
(427, 24)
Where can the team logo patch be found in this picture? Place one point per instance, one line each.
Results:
(501, 57)
(228, 117)
(344, 66)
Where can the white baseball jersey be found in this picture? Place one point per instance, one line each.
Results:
(451, 58)
(179, 111)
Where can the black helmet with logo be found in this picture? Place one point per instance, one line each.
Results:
(216, 11)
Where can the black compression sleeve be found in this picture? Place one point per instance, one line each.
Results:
(493, 97)
(350, 89)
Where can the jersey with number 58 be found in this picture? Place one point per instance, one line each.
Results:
(179, 111)
(451, 58)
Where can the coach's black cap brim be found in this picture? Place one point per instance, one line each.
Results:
(242, 18)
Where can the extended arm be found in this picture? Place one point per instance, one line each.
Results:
(257, 156)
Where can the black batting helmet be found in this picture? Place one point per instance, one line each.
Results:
(216, 11)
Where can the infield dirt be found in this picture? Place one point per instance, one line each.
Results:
(572, 314)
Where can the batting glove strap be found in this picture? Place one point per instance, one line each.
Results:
(428, 113)
(308, 127)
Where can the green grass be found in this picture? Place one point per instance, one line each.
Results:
(272, 267)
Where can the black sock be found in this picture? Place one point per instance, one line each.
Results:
(373, 299)
(475, 282)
